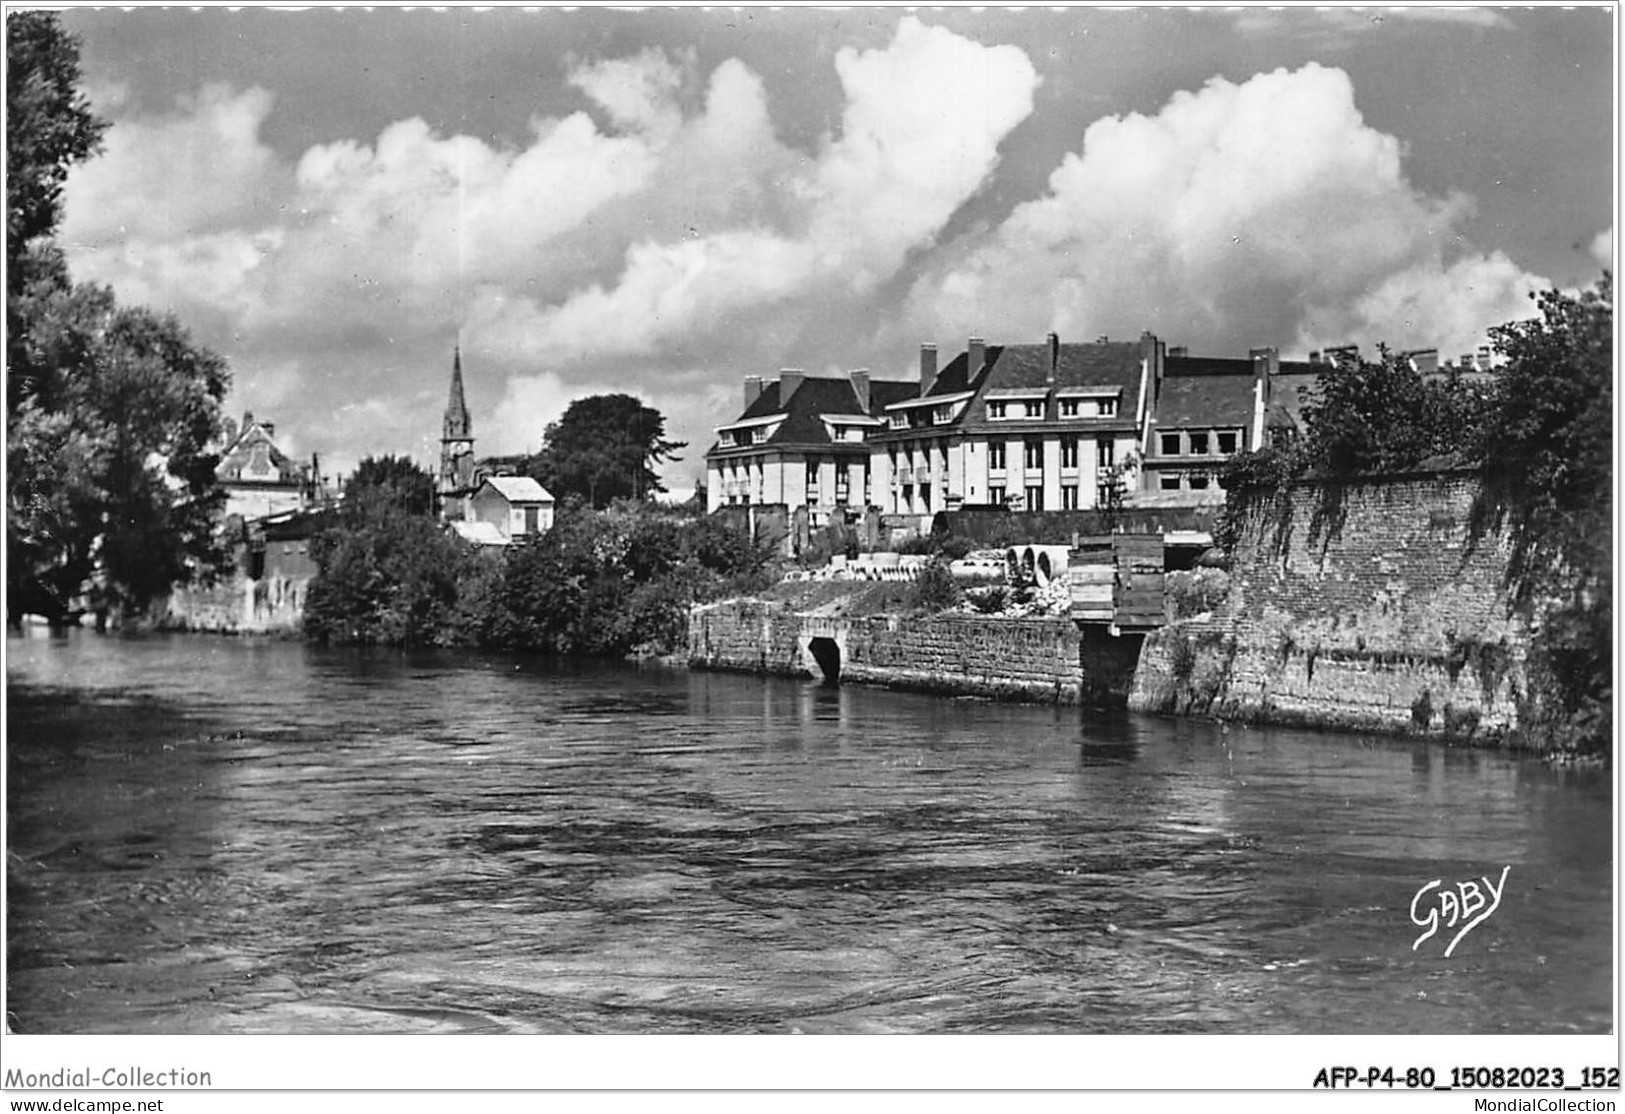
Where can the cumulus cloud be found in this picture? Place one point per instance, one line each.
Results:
(911, 150)
(1265, 212)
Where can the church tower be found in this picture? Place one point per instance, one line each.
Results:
(456, 446)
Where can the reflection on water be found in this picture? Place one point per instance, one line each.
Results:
(217, 835)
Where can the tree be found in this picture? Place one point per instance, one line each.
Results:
(604, 448)
(396, 479)
(1547, 447)
(110, 492)
(389, 576)
(49, 126)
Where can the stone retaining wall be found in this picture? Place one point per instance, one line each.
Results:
(1364, 606)
(1018, 659)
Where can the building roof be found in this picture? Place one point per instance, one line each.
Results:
(240, 454)
(480, 533)
(1290, 391)
(518, 489)
(1206, 392)
(814, 399)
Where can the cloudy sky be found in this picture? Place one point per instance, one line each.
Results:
(663, 202)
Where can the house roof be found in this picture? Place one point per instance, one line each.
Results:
(240, 451)
(1289, 391)
(519, 489)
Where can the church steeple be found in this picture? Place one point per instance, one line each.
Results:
(456, 446)
(457, 426)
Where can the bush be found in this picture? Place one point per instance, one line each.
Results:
(936, 589)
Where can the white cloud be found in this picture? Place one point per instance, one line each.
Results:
(1602, 249)
(1238, 215)
(912, 149)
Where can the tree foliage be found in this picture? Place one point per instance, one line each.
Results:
(604, 448)
(397, 479)
(111, 412)
(49, 127)
(1547, 448)
(111, 492)
(388, 575)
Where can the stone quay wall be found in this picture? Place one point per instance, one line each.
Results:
(1015, 659)
(1366, 606)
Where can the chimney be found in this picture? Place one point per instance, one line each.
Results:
(1054, 357)
(1178, 350)
(860, 387)
(928, 367)
(753, 389)
(1484, 358)
(1152, 354)
(975, 357)
(1314, 357)
(269, 428)
(1467, 361)
(248, 419)
(789, 380)
(1103, 339)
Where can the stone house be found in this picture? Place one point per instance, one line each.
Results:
(802, 441)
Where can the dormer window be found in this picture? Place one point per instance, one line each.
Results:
(1169, 443)
(942, 415)
(1069, 408)
(1108, 408)
(996, 410)
(1199, 444)
(1228, 439)
(1033, 409)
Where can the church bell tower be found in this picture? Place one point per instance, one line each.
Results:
(456, 446)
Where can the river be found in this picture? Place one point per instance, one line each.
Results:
(217, 835)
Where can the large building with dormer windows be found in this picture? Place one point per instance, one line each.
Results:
(802, 440)
(1026, 426)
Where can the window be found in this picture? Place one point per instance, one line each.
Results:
(1069, 497)
(1105, 494)
(1032, 457)
(995, 494)
(1105, 454)
(1033, 409)
(1228, 441)
(942, 415)
(1198, 481)
(925, 498)
(1169, 443)
(995, 410)
(1199, 444)
(533, 519)
(995, 456)
(1169, 481)
(1035, 498)
(908, 498)
(1069, 408)
(1108, 408)
(898, 421)
(1069, 452)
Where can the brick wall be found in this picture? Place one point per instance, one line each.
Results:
(1364, 606)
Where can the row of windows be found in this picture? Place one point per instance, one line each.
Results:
(1032, 454)
(1199, 442)
(1003, 409)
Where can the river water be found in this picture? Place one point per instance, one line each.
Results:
(215, 835)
